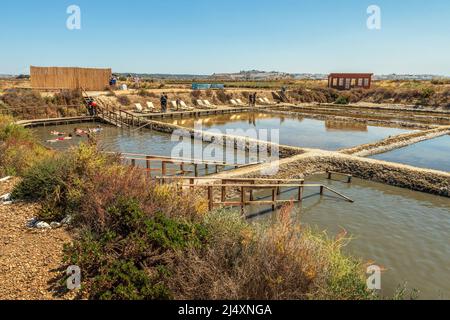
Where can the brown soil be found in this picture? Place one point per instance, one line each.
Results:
(29, 258)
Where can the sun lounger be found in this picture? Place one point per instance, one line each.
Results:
(268, 101)
(239, 101)
(262, 101)
(233, 102)
(201, 104)
(209, 105)
(139, 108)
(174, 105)
(184, 106)
(151, 107)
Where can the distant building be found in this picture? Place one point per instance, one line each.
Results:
(347, 81)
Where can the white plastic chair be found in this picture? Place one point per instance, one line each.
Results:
(139, 108)
(185, 106)
(209, 105)
(201, 105)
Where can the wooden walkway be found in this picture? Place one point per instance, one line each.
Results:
(146, 161)
(247, 188)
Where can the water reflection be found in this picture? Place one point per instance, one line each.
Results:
(298, 131)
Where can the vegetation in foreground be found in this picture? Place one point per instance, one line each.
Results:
(18, 148)
(135, 239)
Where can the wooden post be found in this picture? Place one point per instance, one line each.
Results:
(191, 182)
(163, 168)
(274, 199)
(210, 198)
(148, 166)
(329, 175)
(196, 169)
(133, 163)
(350, 177)
(242, 200)
(321, 190)
(300, 194)
(278, 188)
(252, 198)
(224, 191)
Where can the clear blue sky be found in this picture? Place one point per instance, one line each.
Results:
(206, 36)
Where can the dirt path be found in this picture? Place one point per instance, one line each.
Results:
(28, 257)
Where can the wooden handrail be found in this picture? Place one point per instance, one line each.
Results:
(244, 188)
(349, 176)
(235, 179)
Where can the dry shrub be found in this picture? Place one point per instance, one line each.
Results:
(124, 100)
(223, 97)
(23, 98)
(19, 150)
(103, 188)
(280, 261)
(196, 94)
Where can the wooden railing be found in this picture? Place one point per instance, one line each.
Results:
(348, 176)
(182, 163)
(249, 186)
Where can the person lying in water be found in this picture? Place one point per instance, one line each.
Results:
(96, 130)
(60, 139)
(80, 132)
(57, 133)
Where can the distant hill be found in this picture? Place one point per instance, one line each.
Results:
(163, 76)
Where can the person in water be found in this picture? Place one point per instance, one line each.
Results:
(96, 130)
(60, 139)
(57, 133)
(80, 132)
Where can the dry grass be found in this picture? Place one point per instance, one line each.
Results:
(277, 262)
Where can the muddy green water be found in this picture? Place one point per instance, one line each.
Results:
(142, 142)
(297, 131)
(430, 154)
(406, 232)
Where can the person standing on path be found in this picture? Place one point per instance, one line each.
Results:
(163, 103)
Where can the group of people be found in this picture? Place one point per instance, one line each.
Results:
(252, 99)
(62, 136)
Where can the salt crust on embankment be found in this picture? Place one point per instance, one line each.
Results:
(396, 142)
(314, 162)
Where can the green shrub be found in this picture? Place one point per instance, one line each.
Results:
(342, 100)
(132, 258)
(61, 181)
(46, 178)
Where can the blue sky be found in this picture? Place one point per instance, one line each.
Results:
(206, 36)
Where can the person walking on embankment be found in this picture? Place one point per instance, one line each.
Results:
(164, 103)
(255, 95)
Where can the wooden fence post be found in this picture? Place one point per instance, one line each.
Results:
(242, 200)
(210, 198)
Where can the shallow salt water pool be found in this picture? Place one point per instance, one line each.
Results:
(296, 131)
(430, 154)
(405, 232)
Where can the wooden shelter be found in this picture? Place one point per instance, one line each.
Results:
(70, 78)
(347, 81)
